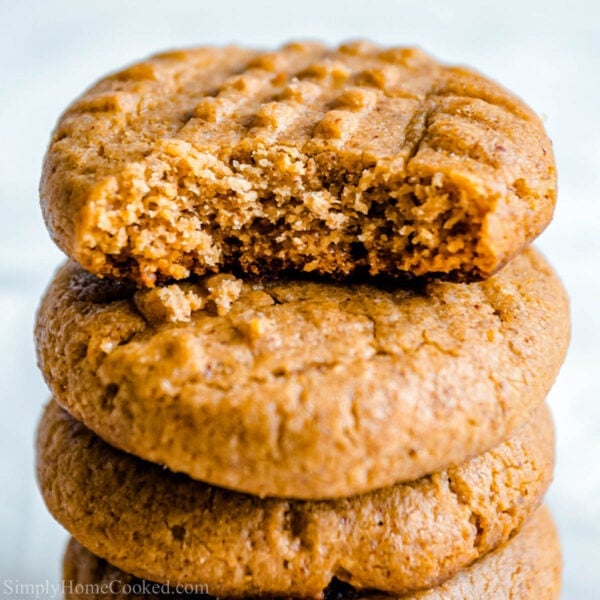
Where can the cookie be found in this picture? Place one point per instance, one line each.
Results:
(304, 389)
(312, 159)
(167, 527)
(527, 567)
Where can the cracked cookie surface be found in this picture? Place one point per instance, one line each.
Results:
(308, 158)
(302, 388)
(165, 526)
(527, 567)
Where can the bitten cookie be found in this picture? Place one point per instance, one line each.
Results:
(304, 389)
(357, 158)
(167, 527)
(526, 568)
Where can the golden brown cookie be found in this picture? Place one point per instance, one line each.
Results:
(304, 389)
(528, 567)
(327, 160)
(164, 526)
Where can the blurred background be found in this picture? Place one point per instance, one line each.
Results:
(549, 53)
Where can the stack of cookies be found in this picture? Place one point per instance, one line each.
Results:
(301, 347)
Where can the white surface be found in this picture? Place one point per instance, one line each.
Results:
(50, 51)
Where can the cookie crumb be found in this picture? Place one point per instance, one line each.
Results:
(224, 290)
(169, 304)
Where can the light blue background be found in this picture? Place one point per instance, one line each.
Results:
(51, 50)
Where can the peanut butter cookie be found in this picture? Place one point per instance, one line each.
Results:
(357, 158)
(304, 389)
(167, 527)
(526, 568)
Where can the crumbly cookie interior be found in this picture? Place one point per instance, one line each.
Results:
(191, 212)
